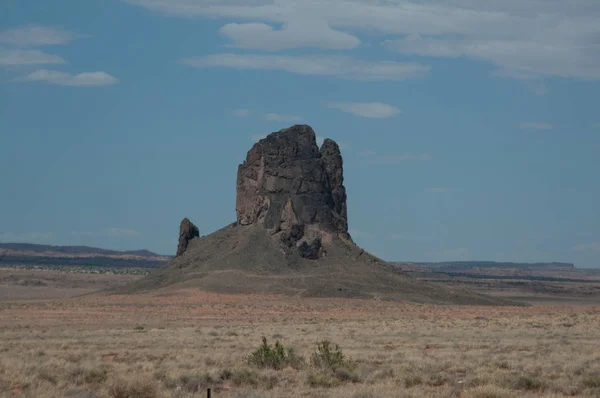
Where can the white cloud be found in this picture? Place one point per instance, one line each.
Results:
(86, 79)
(12, 237)
(36, 35)
(241, 113)
(294, 34)
(276, 117)
(122, 233)
(338, 66)
(375, 110)
(27, 57)
(372, 157)
(595, 246)
(535, 126)
(522, 59)
(523, 39)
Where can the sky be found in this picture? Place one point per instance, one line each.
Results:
(470, 129)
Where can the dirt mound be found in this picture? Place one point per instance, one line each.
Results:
(291, 236)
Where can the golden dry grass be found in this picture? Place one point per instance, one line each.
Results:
(177, 345)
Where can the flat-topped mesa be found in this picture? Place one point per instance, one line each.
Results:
(187, 232)
(294, 189)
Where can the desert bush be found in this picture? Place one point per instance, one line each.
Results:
(330, 357)
(275, 357)
(330, 366)
(133, 389)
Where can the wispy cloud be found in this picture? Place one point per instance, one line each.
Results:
(337, 66)
(594, 246)
(374, 110)
(241, 113)
(535, 126)
(25, 237)
(36, 35)
(27, 57)
(373, 157)
(86, 79)
(524, 40)
(122, 233)
(295, 34)
(276, 117)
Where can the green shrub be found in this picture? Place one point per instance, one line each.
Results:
(331, 367)
(275, 357)
(330, 357)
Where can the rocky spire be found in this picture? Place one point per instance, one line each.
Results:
(294, 189)
(187, 232)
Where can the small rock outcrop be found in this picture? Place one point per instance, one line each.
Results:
(294, 189)
(187, 232)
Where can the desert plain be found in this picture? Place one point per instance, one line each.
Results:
(69, 338)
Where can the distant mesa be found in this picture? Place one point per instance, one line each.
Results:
(291, 235)
(47, 255)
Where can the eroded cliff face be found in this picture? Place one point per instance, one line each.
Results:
(294, 189)
(187, 232)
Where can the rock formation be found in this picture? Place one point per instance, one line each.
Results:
(187, 232)
(294, 190)
(291, 235)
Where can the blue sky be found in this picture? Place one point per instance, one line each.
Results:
(470, 130)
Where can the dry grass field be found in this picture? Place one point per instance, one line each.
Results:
(177, 345)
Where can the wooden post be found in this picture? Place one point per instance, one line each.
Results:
(208, 393)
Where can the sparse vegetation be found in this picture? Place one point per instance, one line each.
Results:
(133, 389)
(275, 357)
(89, 347)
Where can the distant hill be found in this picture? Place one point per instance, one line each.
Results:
(32, 254)
(463, 265)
